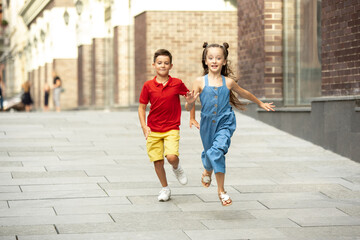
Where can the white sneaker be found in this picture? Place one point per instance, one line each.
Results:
(164, 194)
(180, 175)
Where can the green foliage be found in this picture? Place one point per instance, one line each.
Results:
(4, 23)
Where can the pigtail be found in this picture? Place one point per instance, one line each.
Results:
(205, 67)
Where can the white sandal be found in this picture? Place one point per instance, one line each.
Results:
(205, 180)
(225, 199)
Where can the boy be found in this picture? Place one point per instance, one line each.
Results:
(162, 128)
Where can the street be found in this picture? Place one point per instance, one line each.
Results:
(82, 175)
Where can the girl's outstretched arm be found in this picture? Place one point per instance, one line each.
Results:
(190, 98)
(192, 119)
(248, 95)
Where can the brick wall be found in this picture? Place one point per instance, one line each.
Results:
(84, 74)
(183, 34)
(340, 48)
(121, 66)
(98, 72)
(66, 69)
(260, 47)
(141, 59)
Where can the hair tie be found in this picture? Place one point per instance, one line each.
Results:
(205, 44)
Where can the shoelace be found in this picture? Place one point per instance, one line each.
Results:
(162, 191)
(179, 171)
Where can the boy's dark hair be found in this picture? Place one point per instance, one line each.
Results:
(163, 52)
(225, 70)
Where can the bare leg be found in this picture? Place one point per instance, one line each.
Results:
(224, 198)
(220, 179)
(173, 160)
(27, 108)
(160, 172)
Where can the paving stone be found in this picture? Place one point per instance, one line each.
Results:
(15, 212)
(325, 221)
(248, 223)
(216, 206)
(168, 206)
(18, 170)
(235, 234)
(7, 189)
(287, 188)
(52, 194)
(353, 210)
(143, 226)
(49, 174)
(163, 217)
(29, 158)
(10, 164)
(91, 168)
(46, 220)
(330, 203)
(159, 235)
(46, 181)
(175, 199)
(3, 204)
(322, 232)
(74, 202)
(343, 194)
(291, 213)
(59, 187)
(27, 230)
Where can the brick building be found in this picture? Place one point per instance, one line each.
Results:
(305, 56)
(183, 34)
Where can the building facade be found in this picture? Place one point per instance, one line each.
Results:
(304, 56)
(301, 54)
(91, 45)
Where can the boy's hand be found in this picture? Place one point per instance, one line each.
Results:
(195, 123)
(267, 106)
(191, 97)
(146, 131)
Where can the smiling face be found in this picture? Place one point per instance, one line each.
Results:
(215, 59)
(162, 65)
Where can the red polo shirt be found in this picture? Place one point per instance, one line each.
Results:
(165, 109)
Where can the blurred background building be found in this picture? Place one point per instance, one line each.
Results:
(301, 54)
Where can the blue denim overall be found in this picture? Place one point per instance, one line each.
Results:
(217, 125)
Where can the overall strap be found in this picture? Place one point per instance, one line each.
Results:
(224, 81)
(206, 80)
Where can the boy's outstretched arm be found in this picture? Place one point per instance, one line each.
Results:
(142, 118)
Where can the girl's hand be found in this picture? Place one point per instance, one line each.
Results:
(191, 97)
(195, 123)
(146, 131)
(267, 106)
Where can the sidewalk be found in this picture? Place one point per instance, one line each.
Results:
(86, 176)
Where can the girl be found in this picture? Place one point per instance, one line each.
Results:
(217, 117)
(46, 96)
(26, 98)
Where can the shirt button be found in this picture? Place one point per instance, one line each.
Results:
(215, 88)
(215, 105)
(213, 121)
(214, 112)
(215, 96)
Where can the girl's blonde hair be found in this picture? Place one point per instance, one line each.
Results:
(26, 86)
(225, 71)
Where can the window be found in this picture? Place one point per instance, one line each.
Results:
(302, 51)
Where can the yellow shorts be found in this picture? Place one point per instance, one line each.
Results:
(160, 144)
